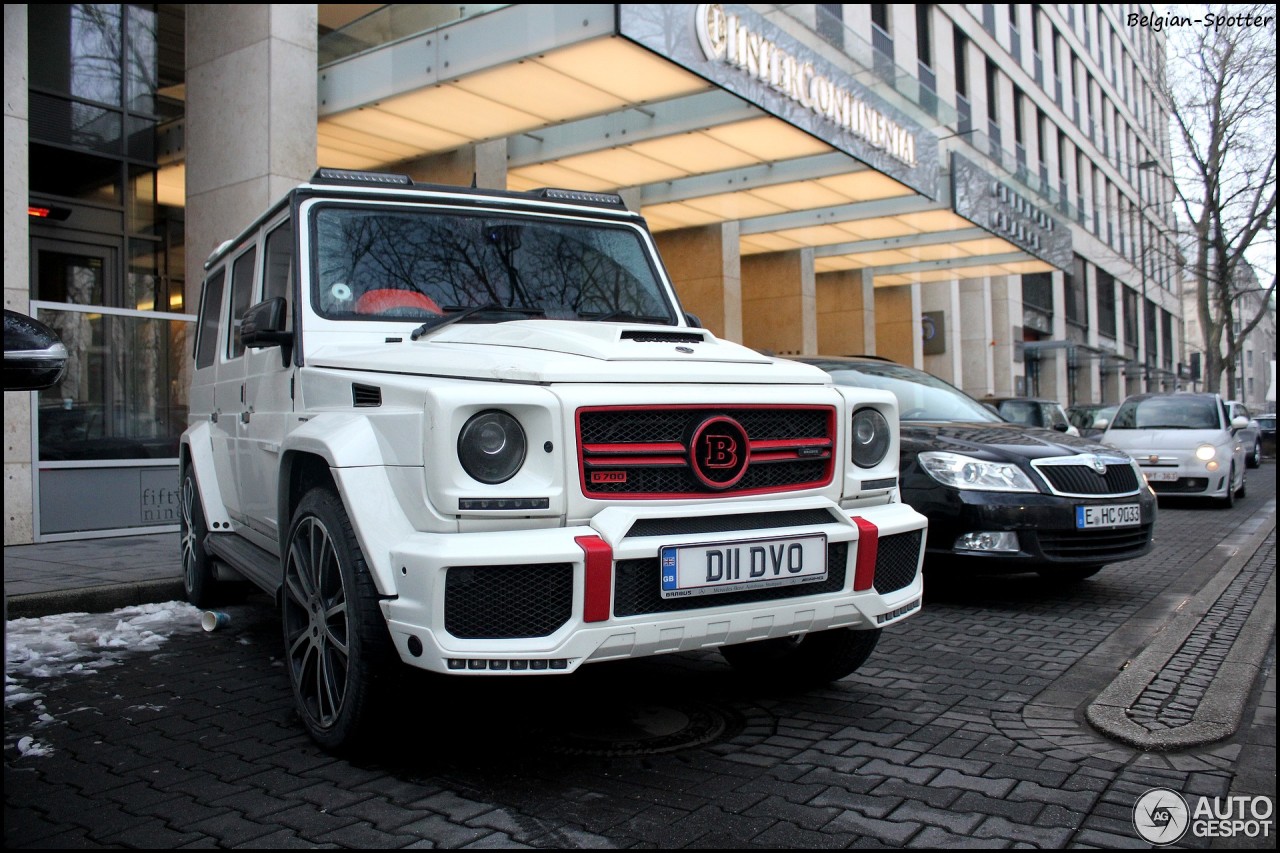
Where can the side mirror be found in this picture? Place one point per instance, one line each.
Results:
(263, 325)
(34, 355)
(693, 320)
(1239, 422)
(1101, 423)
(1062, 427)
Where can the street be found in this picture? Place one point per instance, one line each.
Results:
(966, 728)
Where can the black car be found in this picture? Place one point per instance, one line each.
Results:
(1000, 496)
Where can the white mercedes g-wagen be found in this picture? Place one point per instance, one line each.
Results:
(474, 432)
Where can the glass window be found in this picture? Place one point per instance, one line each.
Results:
(278, 268)
(383, 264)
(1173, 412)
(242, 287)
(210, 314)
(123, 395)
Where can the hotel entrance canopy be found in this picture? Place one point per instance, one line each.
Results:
(698, 114)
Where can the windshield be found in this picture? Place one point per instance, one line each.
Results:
(379, 263)
(1167, 413)
(921, 397)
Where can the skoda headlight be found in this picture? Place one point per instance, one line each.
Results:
(870, 438)
(491, 447)
(965, 472)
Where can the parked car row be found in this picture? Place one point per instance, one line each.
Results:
(1001, 496)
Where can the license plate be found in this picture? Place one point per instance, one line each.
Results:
(1119, 515)
(718, 567)
(1160, 476)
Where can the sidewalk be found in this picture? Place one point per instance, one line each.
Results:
(92, 575)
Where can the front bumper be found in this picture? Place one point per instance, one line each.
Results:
(1192, 479)
(539, 601)
(1045, 526)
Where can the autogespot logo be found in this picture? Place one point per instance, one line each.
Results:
(1161, 816)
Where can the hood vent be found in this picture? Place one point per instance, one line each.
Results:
(366, 396)
(648, 337)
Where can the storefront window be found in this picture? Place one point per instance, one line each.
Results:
(122, 396)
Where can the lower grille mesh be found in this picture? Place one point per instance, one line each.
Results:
(897, 558)
(505, 602)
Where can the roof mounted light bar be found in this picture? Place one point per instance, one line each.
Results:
(581, 197)
(350, 176)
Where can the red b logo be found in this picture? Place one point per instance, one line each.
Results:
(719, 452)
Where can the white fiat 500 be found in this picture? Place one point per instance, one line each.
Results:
(1186, 444)
(473, 432)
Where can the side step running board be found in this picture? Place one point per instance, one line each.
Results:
(257, 565)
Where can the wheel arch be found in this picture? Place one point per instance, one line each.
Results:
(196, 450)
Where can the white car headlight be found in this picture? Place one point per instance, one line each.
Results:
(491, 447)
(965, 472)
(1206, 452)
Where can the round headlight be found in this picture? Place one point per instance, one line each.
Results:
(491, 447)
(1205, 452)
(870, 438)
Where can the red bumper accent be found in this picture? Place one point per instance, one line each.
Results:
(864, 574)
(598, 589)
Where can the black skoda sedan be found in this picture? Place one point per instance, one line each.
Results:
(1002, 497)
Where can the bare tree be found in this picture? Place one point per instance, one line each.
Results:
(1221, 88)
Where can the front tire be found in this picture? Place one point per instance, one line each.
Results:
(1254, 459)
(335, 640)
(198, 580)
(1229, 500)
(802, 662)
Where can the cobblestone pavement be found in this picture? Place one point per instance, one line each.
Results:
(966, 728)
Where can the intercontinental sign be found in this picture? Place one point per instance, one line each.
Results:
(746, 55)
(725, 37)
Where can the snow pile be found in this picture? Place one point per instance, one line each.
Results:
(83, 643)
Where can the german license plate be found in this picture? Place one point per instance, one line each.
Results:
(1160, 476)
(1116, 515)
(717, 567)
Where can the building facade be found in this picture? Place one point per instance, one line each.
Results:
(979, 190)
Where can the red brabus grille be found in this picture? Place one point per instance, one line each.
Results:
(673, 451)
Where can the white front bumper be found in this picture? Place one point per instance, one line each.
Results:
(416, 613)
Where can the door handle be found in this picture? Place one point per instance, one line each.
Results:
(245, 415)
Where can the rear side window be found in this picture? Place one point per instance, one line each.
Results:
(210, 313)
(241, 293)
(278, 268)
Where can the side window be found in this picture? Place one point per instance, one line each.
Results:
(278, 268)
(241, 293)
(210, 313)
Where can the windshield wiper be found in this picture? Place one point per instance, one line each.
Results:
(459, 314)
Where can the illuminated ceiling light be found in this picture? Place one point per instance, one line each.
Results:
(801, 195)
(934, 220)
(625, 70)
(734, 205)
(531, 87)
(171, 185)
(694, 153)
(622, 167)
(769, 139)
(470, 116)
(866, 185)
(50, 212)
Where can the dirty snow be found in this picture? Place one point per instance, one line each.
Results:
(80, 644)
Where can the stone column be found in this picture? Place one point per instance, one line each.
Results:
(846, 312)
(898, 324)
(706, 270)
(1006, 333)
(944, 297)
(19, 527)
(483, 162)
(976, 339)
(779, 302)
(251, 118)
